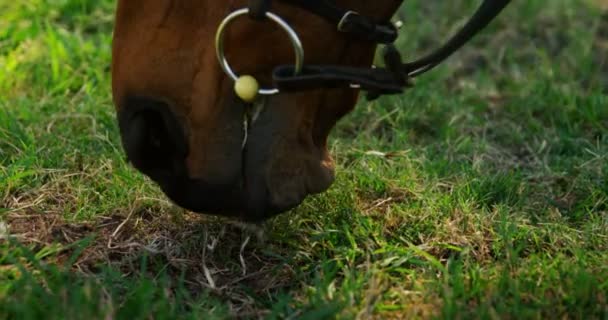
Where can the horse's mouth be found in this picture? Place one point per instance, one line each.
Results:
(265, 174)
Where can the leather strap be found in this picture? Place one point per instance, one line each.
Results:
(487, 12)
(349, 21)
(258, 9)
(378, 81)
(345, 20)
(330, 76)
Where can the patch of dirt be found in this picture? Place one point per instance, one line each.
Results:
(221, 258)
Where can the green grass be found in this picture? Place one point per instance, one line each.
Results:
(481, 193)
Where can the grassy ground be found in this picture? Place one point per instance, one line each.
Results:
(482, 193)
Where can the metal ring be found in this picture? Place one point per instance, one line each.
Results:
(293, 36)
(345, 18)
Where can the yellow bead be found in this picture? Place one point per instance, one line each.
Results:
(247, 87)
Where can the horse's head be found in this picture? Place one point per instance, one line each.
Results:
(210, 151)
(183, 126)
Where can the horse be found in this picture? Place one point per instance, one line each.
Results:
(227, 105)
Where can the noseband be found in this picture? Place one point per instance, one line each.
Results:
(391, 79)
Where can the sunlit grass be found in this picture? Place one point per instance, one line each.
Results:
(481, 193)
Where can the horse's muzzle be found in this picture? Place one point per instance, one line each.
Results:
(155, 143)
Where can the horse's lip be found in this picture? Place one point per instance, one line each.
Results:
(248, 203)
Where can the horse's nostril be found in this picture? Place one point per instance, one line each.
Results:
(152, 137)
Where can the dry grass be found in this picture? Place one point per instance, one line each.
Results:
(218, 257)
(479, 194)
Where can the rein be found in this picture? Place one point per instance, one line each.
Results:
(391, 79)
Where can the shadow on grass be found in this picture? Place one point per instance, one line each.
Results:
(144, 264)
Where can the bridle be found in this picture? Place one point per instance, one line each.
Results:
(391, 79)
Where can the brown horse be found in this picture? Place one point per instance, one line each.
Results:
(183, 125)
